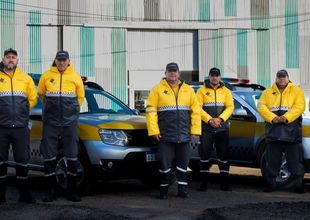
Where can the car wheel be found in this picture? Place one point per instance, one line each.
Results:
(61, 173)
(283, 179)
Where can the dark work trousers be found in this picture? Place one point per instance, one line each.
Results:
(167, 154)
(53, 138)
(19, 139)
(294, 157)
(219, 141)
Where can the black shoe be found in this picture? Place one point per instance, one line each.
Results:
(182, 192)
(203, 186)
(50, 196)
(269, 188)
(300, 190)
(226, 187)
(163, 192)
(2, 197)
(26, 197)
(73, 197)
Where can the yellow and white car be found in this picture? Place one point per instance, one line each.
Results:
(113, 139)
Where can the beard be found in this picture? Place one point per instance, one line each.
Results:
(9, 66)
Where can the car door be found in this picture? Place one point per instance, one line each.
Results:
(242, 132)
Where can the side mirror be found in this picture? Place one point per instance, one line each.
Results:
(136, 111)
(240, 112)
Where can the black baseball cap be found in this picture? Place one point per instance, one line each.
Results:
(214, 72)
(172, 66)
(282, 73)
(62, 55)
(10, 50)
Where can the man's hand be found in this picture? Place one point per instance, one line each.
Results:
(279, 119)
(156, 137)
(282, 119)
(215, 122)
(276, 120)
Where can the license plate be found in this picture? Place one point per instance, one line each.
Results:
(150, 156)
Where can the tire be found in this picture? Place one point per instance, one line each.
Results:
(61, 173)
(283, 179)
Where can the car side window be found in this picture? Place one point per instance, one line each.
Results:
(241, 113)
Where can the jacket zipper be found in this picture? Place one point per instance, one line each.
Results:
(60, 101)
(215, 102)
(13, 103)
(177, 107)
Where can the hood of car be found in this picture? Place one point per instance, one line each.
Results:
(113, 121)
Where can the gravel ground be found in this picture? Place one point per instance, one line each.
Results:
(129, 199)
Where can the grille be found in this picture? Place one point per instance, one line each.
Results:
(139, 138)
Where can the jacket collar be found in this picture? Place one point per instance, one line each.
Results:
(208, 85)
(55, 70)
(289, 85)
(164, 82)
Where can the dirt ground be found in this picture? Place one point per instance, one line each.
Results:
(129, 199)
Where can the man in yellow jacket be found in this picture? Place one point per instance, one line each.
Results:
(217, 105)
(17, 96)
(173, 118)
(282, 106)
(61, 91)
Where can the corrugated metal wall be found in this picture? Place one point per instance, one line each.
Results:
(152, 50)
(246, 38)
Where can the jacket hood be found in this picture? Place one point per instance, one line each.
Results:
(69, 69)
(2, 67)
(164, 82)
(208, 85)
(289, 85)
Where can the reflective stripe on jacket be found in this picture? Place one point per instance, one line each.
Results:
(17, 96)
(215, 103)
(62, 94)
(291, 104)
(175, 118)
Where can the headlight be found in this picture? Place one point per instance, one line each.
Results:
(113, 137)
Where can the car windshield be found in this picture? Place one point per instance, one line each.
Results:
(250, 97)
(97, 101)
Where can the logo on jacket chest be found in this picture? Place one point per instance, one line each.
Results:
(208, 94)
(52, 81)
(166, 92)
(2, 80)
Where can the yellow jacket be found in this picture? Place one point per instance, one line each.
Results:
(291, 102)
(175, 118)
(17, 96)
(215, 103)
(62, 94)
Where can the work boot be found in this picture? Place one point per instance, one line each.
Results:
(225, 186)
(163, 192)
(72, 190)
(2, 190)
(270, 186)
(204, 181)
(50, 195)
(182, 191)
(25, 195)
(299, 185)
(2, 194)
